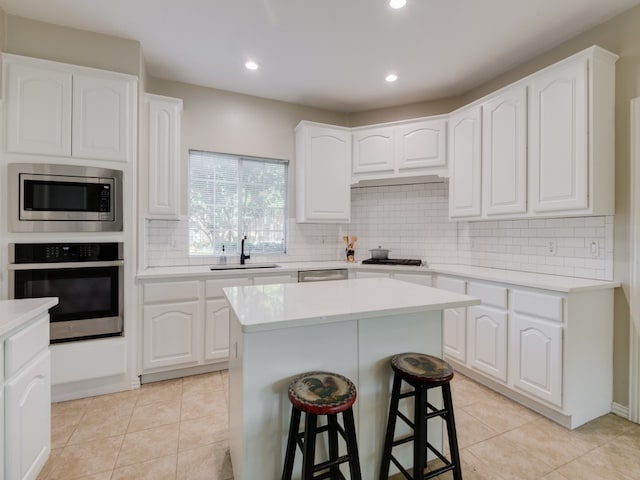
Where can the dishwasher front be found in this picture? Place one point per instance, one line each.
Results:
(323, 275)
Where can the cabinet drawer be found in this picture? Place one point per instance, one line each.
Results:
(214, 287)
(538, 305)
(170, 292)
(413, 278)
(26, 344)
(451, 284)
(489, 294)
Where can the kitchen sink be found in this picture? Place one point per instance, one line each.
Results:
(246, 266)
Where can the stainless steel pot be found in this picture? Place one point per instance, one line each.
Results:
(379, 253)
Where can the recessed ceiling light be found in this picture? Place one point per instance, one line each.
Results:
(251, 65)
(392, 77)
(397, 3)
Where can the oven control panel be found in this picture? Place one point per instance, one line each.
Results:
(64, 252)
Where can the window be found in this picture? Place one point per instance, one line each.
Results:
(231, 196)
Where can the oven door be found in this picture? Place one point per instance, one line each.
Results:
(90, 297)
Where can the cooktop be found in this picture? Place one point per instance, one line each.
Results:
(392, 261)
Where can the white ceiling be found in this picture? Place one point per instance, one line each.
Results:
(332, 54)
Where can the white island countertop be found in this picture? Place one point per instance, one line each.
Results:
(269, 307)
(13, 313)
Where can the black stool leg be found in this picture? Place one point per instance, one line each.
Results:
(451, 432)
(291, 444)
(420, 432)
(332, 420)
(352, 444)
(309, 446)
(391, 427)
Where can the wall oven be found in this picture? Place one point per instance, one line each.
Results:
(87, 278)
(64, 198)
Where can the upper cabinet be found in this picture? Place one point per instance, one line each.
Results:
(65, 110)
(161, 182)
(323, 173)
(547, 145)
(465, 157)
(400, 149)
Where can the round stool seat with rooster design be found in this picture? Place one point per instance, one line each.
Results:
(322, 393)
(422, 368)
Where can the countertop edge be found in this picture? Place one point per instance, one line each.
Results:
(22, 311)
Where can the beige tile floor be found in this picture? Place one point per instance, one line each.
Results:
(178, 430)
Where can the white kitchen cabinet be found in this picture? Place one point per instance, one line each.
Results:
(171, 324)
(421, 145)
(534, 345)
(504, 152)
(323, 173)
(537, 358)
(400, 150)
(70, 111)
(374, 149)
(274, 279)
(26, 393)
(28, 419)
(171, 334)
(465, 156)
(487, 330)
(419, 278)
(216, 327)
(572, 135)
(161, 182)
(102, 121)
(38, 109)
(454, 321)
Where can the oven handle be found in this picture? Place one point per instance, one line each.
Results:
(49, 266)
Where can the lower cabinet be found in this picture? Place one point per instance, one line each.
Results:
(419, 278)
(186, 321)
(487, 344)
(25, 400)
(551, 351)
(28, 419)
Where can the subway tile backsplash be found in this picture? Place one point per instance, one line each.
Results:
(412, 221)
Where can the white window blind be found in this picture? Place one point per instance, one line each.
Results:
(231, 196)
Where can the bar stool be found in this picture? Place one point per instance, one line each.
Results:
(422, 372)
(322, 393)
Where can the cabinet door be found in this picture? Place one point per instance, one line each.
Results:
(537, 358)
(504, 152)
(28, 419)
(487, 341)
(420, 279)
(170, 334)
(162, 173)
(324, 174)
(365, 274)
(465, 157)
(101, 118)
(274, 279)
(421, 145)
(373, 150)
(39, 110)
(559, 139)
(454, 321)
(216, 330)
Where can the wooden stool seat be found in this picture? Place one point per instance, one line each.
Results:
(421, 368)
(322, 393)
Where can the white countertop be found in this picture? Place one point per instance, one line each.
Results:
(534, 280)
(13, 313)
(269, 307)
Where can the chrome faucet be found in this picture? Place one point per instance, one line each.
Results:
(243, 257)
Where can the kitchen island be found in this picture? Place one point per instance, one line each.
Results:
(351, 327)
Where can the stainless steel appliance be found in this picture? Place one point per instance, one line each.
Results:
(64, 198)
(87, 278)
(322, 275)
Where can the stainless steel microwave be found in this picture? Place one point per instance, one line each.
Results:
(64, 198)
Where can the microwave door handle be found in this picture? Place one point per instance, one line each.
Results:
(49, 266)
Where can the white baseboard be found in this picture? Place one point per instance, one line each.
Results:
(620, 410)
